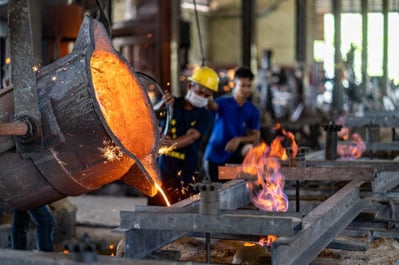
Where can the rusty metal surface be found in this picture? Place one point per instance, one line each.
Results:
(23, 75)
(310, 173)
(378, 164)
(69, 161)
(6, 114)
(320, 227)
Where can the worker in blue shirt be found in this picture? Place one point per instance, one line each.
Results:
(236, 126)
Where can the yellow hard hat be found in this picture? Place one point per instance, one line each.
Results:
(206, 77)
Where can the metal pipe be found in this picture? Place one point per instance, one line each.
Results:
(14, 129)
(23, 74)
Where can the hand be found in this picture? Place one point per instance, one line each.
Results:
(168, 98)
(232, 145)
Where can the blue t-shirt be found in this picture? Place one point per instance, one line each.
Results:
(184, 161)
(231, 120)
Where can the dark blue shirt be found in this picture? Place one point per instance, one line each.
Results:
(231, 120)
(183, 162)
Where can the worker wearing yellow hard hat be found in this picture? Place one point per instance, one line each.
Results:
(179, 165)
(206, 77)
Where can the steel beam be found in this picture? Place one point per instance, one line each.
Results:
(385, 181)
(378, 164)
(23, 74)
(140, 243)
(233, 222)
(21, 257)
(387, 119)
(320, 227)
(365, 173)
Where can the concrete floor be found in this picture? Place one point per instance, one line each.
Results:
(103, 211)
(98, 215)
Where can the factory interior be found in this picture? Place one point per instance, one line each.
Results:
(81, 86)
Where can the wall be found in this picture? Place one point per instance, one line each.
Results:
(276, 31)
(221, 30)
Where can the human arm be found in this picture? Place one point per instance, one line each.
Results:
(253, 137)
(168, 99)
(190, 137)
(212, 105)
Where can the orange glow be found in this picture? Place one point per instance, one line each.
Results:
(163, 194)
(128, 123)
(267, 240)
(343, 133)
(128, 116)
(267, 191)
(249, 244)
(352, 150)
(166, 149)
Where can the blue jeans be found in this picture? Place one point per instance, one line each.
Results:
(44, 228)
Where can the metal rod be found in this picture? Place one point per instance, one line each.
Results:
(208, 247)
(297, 196)
(23, 74)
(14, 129)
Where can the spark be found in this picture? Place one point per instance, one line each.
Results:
(166, 149)
(110, 151)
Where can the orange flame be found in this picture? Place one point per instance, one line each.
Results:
(344, 133)
(267, 240)
(352, 150)
(267, 191)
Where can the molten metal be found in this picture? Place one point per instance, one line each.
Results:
(97, 127)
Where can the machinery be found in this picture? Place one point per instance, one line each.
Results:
(70, 127)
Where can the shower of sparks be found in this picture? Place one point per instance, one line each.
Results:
(166, 149)
(110, 151)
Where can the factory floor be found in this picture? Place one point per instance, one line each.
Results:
(98, 215)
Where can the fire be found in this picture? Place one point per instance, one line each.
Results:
(263, 161)
(267, 240)
(267, 192)
(344, 133)
(352, 150)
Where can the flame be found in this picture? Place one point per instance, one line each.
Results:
(267, 240)
(343, 133)
(352, 150)
(267, 191)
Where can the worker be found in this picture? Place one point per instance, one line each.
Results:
(179, 167)
(236, 127)
(44, 222)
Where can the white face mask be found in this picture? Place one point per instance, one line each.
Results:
(196, 100)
